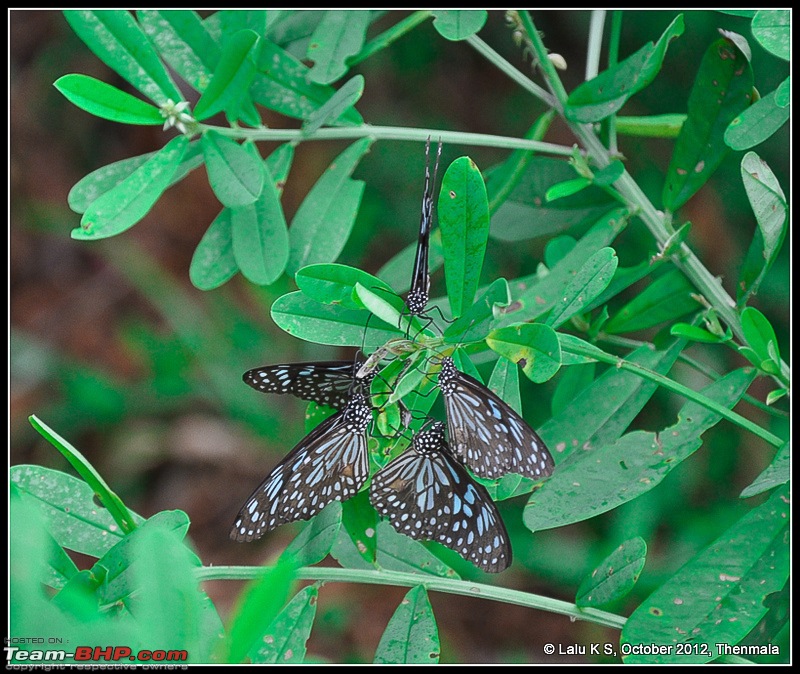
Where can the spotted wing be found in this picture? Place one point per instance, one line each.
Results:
(330, 464)
(487, 434)
(327, 383)
(426, 494)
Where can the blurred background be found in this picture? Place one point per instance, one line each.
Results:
(112, 347)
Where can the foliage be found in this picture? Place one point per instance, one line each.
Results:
(597, 298)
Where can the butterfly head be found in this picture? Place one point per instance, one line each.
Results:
(431, 440)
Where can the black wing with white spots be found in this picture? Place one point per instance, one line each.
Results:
(487, 434)
(327, 383)
(330, 464)
(426, 494)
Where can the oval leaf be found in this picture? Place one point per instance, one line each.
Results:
(324, 220)
(339, 35)
(459, 24)
(344, 99)
(772, 28)
(105, 101)
(615, 576)
(284, 641)
(464, 224)
(213, 262)
(592, 279)
(335, 283)
(756, 123)
(532, 346)
(123, 206)
(411, 637)
(722, 89)
(234, 173)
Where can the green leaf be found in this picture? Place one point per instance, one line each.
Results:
(234, 173)
(105, 101)
(756, 123)
(772, 28)
(695, 334)
(360, 522)
(525, 212)
(307, 319)
(390, 309)
(538, 294)
(411, 637)
(603, 95)
(68, 505)
(278, 164)
(600, 413)
(758, 333)
(110, 501)
(334, 284)
(284, 641)
(777, 473)
(345, 98)
(615, 576)
(592, 279)
(771, 210)
(314, 542)
(608, 175)
(464, 222)
(571, 382)
(260, 238)
(118, 41)
(722, 89)
(213, 262)
(665, 299)
(783, 94)
(504, 381)
(718, 596)
(183, 42)
(91, 187)
(651, 126)
(458, 24)
(323, 222)
(283, 85)
(480, 318)
(532, 346)
(601, 479)
(395, 553)
(232, 76)
(257, 607)
(124, 205)
(567, 188)
(339, 35)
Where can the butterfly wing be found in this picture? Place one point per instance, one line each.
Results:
(419, 294)
(427, 495)
(487, 434)
(330, 464)
(326, 383)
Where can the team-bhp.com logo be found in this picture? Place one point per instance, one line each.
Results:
(94, 654)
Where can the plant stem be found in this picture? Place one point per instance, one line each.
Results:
(595, 43)
(393, 133)
(580, 348)
(505, 67)
(435, 583)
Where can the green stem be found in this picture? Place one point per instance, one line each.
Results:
(548, 69)
(595, 43)
(394, 133)
(390, 35)
(628, 343)
(435, 583)
(506, 68)
(581, 348)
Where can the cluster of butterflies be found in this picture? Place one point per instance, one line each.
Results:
(425, 492)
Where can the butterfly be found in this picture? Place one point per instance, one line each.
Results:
(426, 494)
(327, 383)
(417, 298)
(330, 464)
(489, 436)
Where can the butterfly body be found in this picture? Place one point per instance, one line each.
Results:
(426, 494)
(330, 464)
(487, 434)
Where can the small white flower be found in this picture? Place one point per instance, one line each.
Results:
(175, 115)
